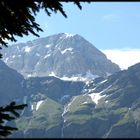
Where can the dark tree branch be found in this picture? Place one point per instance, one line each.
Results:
(9, 113)
(17, 17)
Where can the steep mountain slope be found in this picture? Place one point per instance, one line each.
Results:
(11, 86)
(105, 107)
(46, 98)
(116, 111)
(63, 55)
(102, 108)
(53, 87)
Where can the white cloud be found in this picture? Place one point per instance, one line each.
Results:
(123, 57)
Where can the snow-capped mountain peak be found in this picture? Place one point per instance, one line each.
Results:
(69, 35)
(66, 55)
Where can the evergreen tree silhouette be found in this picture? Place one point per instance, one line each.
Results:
(17, 17)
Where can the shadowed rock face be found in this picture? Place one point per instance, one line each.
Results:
(11, 86)
(102, 108)
(61, 54)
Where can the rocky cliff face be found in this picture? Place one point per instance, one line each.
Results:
(102, 108)
(63, 55)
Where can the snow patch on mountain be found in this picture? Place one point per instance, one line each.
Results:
(27, 49)
(74, 78)
(47, 56)
(38, 104)
(29, 75)
(103, 81)
(66, 50)
(13, 56)
(96, 97)
(106, 101)
(91, 90)
(48, 46)
(52, 74)
(79, 77)
(6, 60)
(69, 35)
(32, 107)
(85, 102)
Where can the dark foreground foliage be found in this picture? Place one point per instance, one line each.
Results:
(9, 113)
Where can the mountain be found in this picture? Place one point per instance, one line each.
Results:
(101, 108)
(11, 86)
(62, 55)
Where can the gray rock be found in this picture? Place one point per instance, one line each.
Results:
(62, 54)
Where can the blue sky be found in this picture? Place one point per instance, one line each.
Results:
(105, 24)
(109, 26)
